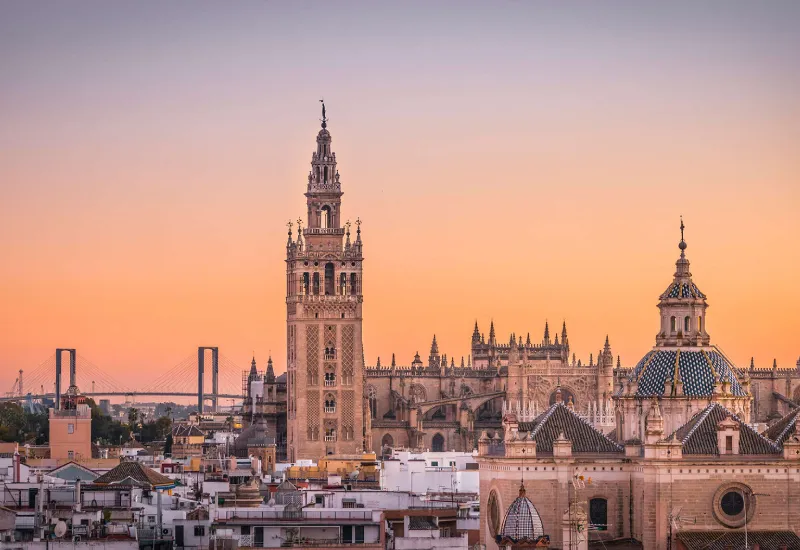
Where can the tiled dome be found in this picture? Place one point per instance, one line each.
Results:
(680, 289)
(522, 521)
(698, 369)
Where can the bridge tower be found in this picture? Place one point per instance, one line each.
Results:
(72, 373)
(325, 364)
(201, 359)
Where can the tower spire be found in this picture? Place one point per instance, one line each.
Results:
(324, 118)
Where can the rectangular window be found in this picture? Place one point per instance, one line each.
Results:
(70, 428)
(729, 443)
(434, 462)
(359, 534)
(245, 529)
(347, 534)
(199, 530)
(319, 499)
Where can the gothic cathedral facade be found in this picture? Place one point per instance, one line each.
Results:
(325, 359)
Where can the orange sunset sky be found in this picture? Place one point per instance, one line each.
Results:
(515, 161)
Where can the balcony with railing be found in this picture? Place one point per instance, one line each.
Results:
(330, 437)
(330, 410)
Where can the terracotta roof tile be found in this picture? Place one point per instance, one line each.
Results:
(136, 472)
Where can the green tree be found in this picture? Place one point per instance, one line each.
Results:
(133, 417)
(168, 445)
(12, 422)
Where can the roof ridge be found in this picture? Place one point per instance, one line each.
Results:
(591, 426)
(544, 416)
(703, 415)
(747, 426)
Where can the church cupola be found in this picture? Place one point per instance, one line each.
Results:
(683, 307)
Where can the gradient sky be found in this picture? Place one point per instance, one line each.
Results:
(515, 161)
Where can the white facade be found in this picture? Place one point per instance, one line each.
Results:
(430, 472)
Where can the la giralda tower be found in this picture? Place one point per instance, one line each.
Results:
(325, 366)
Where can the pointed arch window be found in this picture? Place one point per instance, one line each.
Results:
(306, 279)
(353, 284)
(343, 284)
(316, 283)
(329, 279)
(330, 404)
(325, 217)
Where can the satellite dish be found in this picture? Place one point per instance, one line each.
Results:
(60, 529)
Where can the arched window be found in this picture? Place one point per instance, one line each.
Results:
(387, 441)
(372, 396)
(699, 323)
(330, 403)
(330, 279)
(493, 515)
(326, 174)
(437, 443)
(330, 378)
(673, 324)
(325, 217)
(686, 323)
(305, 282)
(353, 284)
(343, 284)
(598, 514)
(317, 173)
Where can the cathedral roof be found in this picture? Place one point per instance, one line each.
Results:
(559, 419)
(522, 522)
(699, 370)
(720, 540)
(783, 428)
(699, 434)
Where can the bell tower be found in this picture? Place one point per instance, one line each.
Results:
(325, 370)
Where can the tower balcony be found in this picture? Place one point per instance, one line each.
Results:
(323, 298)
(318, 187)
(323, 231)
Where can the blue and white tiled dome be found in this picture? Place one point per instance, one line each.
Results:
(522, 521)
(683, 289)
(699, 370)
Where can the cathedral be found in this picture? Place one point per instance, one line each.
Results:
(566, 448)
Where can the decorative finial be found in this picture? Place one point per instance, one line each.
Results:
(289, 225)
(324, 118)
(347, 225)
(682, 244)
(358, 225)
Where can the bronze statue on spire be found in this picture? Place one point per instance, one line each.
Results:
(324, 118)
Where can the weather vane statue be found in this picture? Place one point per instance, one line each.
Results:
(324, 118)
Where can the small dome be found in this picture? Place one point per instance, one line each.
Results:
(522, 521)
(249, 489)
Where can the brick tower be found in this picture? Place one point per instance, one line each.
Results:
(323, 316)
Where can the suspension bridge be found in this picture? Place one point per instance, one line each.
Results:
(186, 379)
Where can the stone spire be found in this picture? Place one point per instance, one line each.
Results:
(546, 340)
(492, 340)
(394, 364)
(253, 370)
(270, 371)
(476, 335)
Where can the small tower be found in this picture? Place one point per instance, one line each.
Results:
(683, 307)
(434, 359)
(605, 371)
